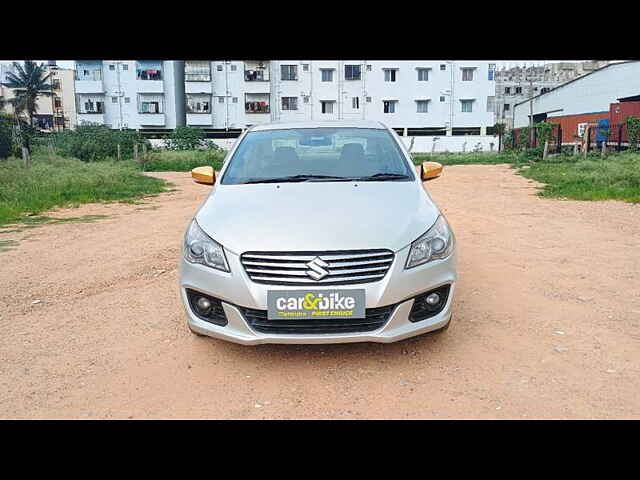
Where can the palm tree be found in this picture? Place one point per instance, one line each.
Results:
(498, 129)
(28, 83)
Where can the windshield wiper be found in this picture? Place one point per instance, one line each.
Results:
(290, 178)
(383, 176)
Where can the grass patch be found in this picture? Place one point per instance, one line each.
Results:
(183, 161)
(63, 182)
(7, 245)
(616, 177)
(465, 158)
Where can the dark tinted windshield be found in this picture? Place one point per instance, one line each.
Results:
(317, 154)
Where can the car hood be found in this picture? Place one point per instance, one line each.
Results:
(317, 216)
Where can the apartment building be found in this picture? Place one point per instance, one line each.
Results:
(517, 84)
(413, 97)
(145, 95)
(55, 112)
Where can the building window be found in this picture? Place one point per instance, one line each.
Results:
(234, 68)
(256, 71)
(327, 105)
(442, 98)
(352, 72)
(506, 107)
(219, 68)
(150, 103)
(149, 70)
(125, 66)
(368, 99)
(389, 106)
(91, 71)
(492, 69)
(234, 99)
(198, 103)
(289, 72)
(57, 102)
(327, 74)
(491, 104)
(220, 99)
(305, 67)
(423, 74)
(507, 90)
(56, 83)
(127, 100)
(114, 99)
(289, 103)
(90, 104)
(112, 67)
(544, 90)
(305, 99)
(467, 105)
(518, 90)
(443, 66)
(467, 74)
(389, 75)
(423, 106)
(355, 103)
(256, 103)
(197, 71)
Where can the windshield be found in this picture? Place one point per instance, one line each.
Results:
(317, 154)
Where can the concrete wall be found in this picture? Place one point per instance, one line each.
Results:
(465, 143)
(591, 93)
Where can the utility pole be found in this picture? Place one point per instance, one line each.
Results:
(530, 111)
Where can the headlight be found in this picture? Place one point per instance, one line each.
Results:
(200, 248)
(436, 243)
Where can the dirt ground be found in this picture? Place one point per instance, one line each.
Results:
(546, 320)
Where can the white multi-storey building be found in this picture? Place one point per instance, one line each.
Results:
(414, 97)
(135, 94)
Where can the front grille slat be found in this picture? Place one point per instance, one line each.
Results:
(375, 318)
(344, 267)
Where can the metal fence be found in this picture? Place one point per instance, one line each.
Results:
(615, 136)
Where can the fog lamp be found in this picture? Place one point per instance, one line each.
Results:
(433, 299)
(203, 305)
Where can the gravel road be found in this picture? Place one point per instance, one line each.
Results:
(546, 320)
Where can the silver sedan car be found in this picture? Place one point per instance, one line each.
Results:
(318, 232)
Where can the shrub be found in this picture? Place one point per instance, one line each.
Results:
(189, 138)
(6, 136)
(97, 142)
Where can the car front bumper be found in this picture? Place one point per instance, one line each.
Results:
(398, 287)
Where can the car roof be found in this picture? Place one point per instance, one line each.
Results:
(319, 124)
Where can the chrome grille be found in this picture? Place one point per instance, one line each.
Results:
(341, 267)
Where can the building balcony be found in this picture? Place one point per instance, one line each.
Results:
(152, 119)
(197, 87)
(256, 71)
(199, 119)
(150, 86)
(90, 117)
(89, 86)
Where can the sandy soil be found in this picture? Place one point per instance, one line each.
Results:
(546, 322)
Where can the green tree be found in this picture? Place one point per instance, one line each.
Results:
(499, 129)
(6, 135)
(28, 84)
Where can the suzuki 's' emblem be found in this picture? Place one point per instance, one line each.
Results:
(316, 270)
